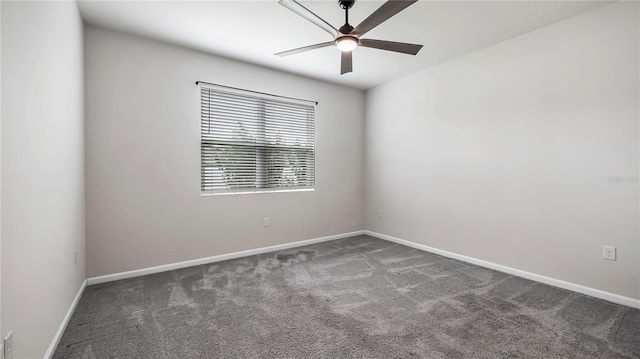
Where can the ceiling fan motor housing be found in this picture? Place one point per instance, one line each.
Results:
(345, 29)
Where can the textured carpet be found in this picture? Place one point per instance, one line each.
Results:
(353, 298)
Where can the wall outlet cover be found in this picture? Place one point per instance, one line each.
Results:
(8, 346)
(266, 222)
(609, 253)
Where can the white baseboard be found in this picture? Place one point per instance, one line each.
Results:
(213, 259)
(65, 322)
(611, 297)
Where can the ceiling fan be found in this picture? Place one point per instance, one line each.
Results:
(347, 37)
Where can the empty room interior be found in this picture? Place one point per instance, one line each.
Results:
(319, 179)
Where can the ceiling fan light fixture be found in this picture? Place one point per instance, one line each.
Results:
(346, 43)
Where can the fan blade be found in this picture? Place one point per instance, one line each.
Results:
(381, 15)
(296, 7)
(346, 62)
(405, 48)
(304, 48)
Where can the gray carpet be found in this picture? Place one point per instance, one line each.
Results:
(353, 298)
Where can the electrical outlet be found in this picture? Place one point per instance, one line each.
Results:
(8, 346)
(609, 252)
(75, 259)
(266, 222)
(380, 213)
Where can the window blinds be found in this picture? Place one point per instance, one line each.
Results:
(252, 143)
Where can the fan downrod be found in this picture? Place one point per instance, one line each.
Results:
(346, 5)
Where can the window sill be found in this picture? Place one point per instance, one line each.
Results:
(227, 193)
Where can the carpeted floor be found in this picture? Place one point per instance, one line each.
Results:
(353, 298)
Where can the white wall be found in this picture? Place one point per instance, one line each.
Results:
(143, 159)
(42, 169)
(505, 154)
(1, 173)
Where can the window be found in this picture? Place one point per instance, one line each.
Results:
(253, 142)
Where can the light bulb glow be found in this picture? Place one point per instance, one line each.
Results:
(346, 43)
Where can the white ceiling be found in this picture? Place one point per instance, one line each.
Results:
(252, 31)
